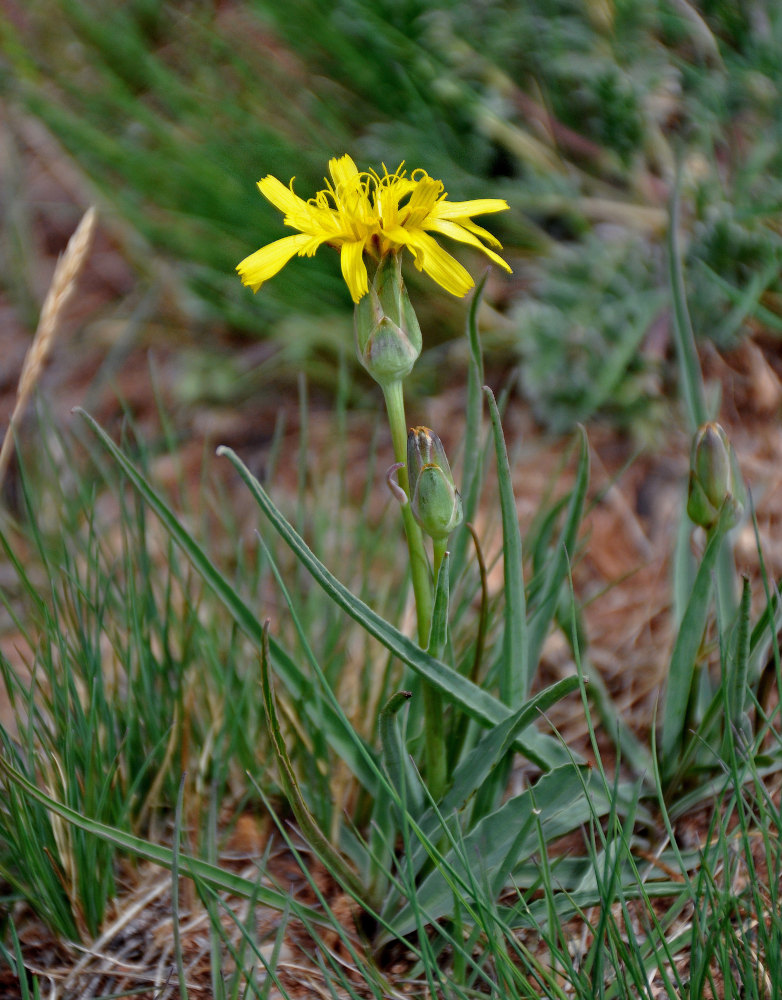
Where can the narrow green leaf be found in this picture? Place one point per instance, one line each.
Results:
(472, 452)
(483, 612)
(737, 679)
(386, 816)
(478, 704)
(563, 805)
(434, 721)
(768, 623)
(176, 923)
(684, 338)
(515, 677)
(680, 672)
(559, 562)
(438, 633)
(340, 734)
(306, 821)
(18, 965)
(493, 747)
(164, 856)
(684, 568)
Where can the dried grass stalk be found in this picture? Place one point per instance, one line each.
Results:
(59, 294)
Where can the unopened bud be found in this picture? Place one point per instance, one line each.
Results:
(434, 499)
(715, 480)
(388, 337)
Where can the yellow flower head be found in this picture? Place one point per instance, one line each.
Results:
(362, 213)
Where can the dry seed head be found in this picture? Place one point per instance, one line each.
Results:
(60, 291)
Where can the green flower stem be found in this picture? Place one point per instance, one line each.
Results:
(434, 735)
(725, 582)
(436, 758)
(440, 546)
(419, 567)
(434, 742)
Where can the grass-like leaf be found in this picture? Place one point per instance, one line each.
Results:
(559, 797)
(684, 338)
(736, 681)
(307, 824)
(558, 565)
(478, 704)
(339, 733)
(515, 674)
(434, 723)
(680, 672)
(472, 452)
(164, 856)
(477, 767)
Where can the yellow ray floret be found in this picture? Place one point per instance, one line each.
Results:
(364, 213)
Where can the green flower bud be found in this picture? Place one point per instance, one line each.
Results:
(714, 478)
(388, 337)
(434, 499)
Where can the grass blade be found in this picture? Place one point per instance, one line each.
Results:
(737, 689)
(307, 824)
(341, 735)
(434, 723)
(563, 805)
(515, 676)
(160, 855)
(472, 453)
(686, 352)
(559, 563)
(685, 650)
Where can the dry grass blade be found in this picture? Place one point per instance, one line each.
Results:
(57, 298)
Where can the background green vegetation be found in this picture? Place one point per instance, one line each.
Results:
(577, 113)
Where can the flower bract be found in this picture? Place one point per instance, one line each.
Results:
(434, 499)
(366, 213)
(715, 479)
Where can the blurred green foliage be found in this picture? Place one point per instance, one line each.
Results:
(581, 328)
(576, 113)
